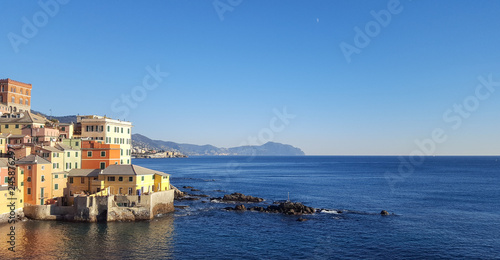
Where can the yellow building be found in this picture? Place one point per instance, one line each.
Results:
(7, 197)
(84, 181)
(3, 143)
(133, 180)
(59, 184)
(14, 123)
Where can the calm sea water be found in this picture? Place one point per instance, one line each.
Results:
(449, 207)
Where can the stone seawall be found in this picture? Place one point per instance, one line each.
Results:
(19, 215)
(106, 208)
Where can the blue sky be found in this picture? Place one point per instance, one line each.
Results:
(226, 78)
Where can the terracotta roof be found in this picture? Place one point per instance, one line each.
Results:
(84, 173)
(130, 170)
(32, 159)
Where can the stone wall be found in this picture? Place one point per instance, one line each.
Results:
(105, 208)
(48, 212)
(19, 214)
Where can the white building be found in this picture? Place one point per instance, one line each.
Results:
(108, 131)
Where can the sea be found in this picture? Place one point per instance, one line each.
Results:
(440, 208)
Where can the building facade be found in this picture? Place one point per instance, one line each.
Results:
(15, 96)
(108, 131)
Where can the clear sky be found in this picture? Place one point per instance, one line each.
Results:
(358, 77)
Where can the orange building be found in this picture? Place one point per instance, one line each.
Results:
(15, 96)
(37, 179)
(96, 155)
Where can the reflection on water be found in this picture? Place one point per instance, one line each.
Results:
(65, 240)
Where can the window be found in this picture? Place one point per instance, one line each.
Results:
(43, 178)
(142, 179)
(43, 167)
(17, 126)
(76, 165)
(65, 176)
(13, 100)
(77, 143)
(56, 186)
(26, 102)
(121, 152)
(21, 101)
(129, 191)
(128, 130)
(111, 178)
(101, 128)
(121, 161)
(56, 176)
(120, 190)
(29, 167)
(130, 178)
(29, 191)
(6, 126)
(6, 179)
(103, 154)
(69, 154)
(120, 178)
(89, 154)
(63, 128)
(70, 179)
(153, 177)
(54, 166)
(122, 130)
(109, 128)
(103, 165)
(128, 161)
(29, 179)
(82, 180)
(22, 183)
(76, 154)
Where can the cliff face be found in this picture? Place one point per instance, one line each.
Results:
(268, 149)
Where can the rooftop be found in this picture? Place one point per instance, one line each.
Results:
(130, 170)
(84, 173)
(32, 159)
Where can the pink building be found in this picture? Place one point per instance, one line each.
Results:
(41, 135)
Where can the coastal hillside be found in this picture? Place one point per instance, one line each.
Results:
(268, 149)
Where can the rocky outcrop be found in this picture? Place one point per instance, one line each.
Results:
(384, 213)
(289, 208)
(238, 197)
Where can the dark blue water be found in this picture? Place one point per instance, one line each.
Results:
(447, 207)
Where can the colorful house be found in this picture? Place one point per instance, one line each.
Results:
(82, 181)
(37, 179)
(14, 96)
(14, 123)
(133, 180)
(4, 138)
(72, 157)
(66, 131)
(7, 196)
(96, 155)
(41, 135)
(108, 131)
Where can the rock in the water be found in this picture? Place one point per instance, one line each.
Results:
(187, 187)
(302, 219)
(290, 208)
(384, 213)
(241, 198)
(240, 207)
(195, 190)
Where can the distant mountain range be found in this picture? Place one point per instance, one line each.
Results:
(141, 141)
(267, 149)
